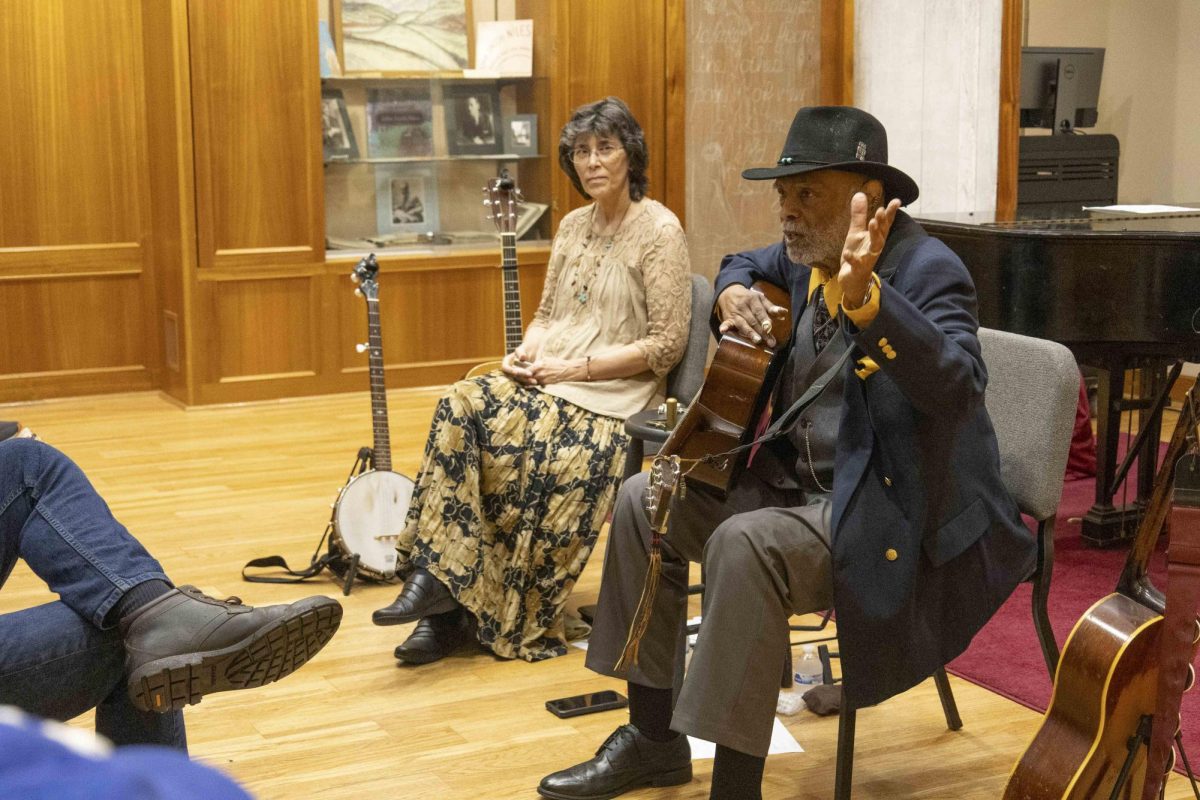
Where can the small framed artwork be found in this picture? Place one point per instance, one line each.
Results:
(405, 199)
(520, 135)
(472, 120)
(404, 36)
(337, 135)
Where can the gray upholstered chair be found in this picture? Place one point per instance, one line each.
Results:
(1032, 393)
(683, 382)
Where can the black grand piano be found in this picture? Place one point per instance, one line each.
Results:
(1122, 291)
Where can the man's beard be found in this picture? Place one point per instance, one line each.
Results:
(820, 246)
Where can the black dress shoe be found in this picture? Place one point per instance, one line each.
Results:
(422, 596)
(185, 644)
(626, 760)
(436, 637)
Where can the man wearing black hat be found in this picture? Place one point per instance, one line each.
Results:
(883, 498)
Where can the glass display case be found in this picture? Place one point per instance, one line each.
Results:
(405, 160)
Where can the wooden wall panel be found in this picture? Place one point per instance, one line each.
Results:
(1010, 112)
(257, 133)
(619, 47)
(434, 316)
(73, 200)
(69, 120)
(84, 334)
(172, 191)
(264, 329)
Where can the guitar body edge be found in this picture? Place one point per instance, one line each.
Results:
(483, 369)
(1107, 679)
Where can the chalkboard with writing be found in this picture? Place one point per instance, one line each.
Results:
(751, 65)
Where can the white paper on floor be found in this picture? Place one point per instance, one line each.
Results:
(782, 741)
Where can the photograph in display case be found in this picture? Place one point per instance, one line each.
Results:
(337, 136)
(399, 123)
(472, 114)
(405, 199)
(520, 135)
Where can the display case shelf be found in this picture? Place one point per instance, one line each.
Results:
(406, 157)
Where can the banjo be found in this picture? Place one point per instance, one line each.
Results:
(370, 509)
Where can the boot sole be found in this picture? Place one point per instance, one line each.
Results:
(675, 777)
(268, 654)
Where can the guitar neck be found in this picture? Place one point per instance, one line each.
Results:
(382, 450)
(513, 332)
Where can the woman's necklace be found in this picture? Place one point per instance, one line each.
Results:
(583, 281)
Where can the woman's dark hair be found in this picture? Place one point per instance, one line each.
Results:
(608, 117)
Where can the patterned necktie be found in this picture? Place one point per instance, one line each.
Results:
(823, 327)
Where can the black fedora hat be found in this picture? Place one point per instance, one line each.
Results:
(838, 137)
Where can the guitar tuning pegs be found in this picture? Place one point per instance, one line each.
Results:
(354, 277)
(362, 348)
(358, 292)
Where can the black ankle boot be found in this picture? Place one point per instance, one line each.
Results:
(422, 596)
(436, 637)
(185, 644)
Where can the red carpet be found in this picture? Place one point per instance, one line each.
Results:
(1005, 656)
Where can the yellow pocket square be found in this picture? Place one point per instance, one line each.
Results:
(866, 366)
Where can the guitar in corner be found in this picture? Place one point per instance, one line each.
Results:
(371, 508)
(502, 198)
(1115, 706)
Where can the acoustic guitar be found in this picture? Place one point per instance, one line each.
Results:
(1093, 740)
(502, 198)
(731, 401)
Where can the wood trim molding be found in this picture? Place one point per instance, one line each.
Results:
(675, 113)
(1010, 97)
(837, 52)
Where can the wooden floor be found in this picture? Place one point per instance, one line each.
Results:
(208, 489)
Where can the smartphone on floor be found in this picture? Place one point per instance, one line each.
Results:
(589, 703)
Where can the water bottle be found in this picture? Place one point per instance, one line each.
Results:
(808, 668)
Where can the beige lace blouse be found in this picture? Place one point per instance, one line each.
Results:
(603, 292)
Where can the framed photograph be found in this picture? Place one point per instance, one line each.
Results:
(409, 36)
(405, 199)
(399, 123)
(337, 135)
(520, 135)
(472, 120)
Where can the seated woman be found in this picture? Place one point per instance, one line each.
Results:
(522, 465)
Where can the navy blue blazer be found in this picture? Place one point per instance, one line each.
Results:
(927, 542)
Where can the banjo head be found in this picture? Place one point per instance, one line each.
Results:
(368, 518)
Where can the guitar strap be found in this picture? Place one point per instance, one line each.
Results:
(784, 422)
(1180, 629)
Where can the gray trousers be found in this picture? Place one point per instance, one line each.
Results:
(766, 556)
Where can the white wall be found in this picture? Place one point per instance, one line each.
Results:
(930, 71)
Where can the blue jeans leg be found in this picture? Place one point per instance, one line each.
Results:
(59, 660)
(55, 664)
(51, 517)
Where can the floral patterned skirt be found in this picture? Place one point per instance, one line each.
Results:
(512, 491)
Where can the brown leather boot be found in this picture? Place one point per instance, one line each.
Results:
(185, 644)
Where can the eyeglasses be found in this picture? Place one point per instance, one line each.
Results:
(605, 151)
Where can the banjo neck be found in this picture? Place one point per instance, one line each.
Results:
(381, 452)
(366, 275)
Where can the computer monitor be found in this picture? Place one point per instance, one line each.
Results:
(1060, 87)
